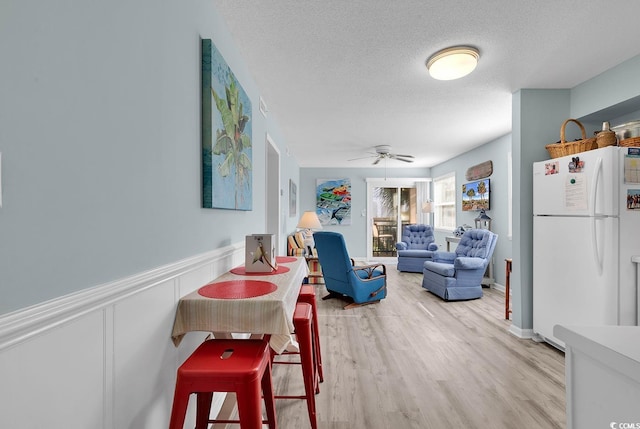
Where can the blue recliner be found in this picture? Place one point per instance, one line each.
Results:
(363, 284)
(417, 247)
(458, 275)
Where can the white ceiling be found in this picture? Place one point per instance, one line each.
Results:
(341, 76)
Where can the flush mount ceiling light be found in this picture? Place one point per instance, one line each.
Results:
(453, 63)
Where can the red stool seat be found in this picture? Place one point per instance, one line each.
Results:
(240, 366)
(308, 294)
(303, 323)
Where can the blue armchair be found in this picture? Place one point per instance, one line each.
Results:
(458, 275)
(364, 284)
(416, 247)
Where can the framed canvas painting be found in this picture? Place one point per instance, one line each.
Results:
(475, 195)
(333, 201)
(226, 135)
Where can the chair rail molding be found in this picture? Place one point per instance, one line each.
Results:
(21, 325)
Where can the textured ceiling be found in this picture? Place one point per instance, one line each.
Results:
(341, 76)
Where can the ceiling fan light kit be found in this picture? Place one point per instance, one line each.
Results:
(453, 63)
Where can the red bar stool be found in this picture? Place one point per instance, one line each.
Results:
(240, 366)
(303, 323)
(308, 294)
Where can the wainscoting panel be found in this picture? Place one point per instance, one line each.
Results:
(55, 380)
(144, 357)
(103, 357)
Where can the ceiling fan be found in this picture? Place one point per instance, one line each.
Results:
(383, 151)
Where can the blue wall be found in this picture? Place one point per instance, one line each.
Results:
(100, 143)
(612, 96)
(355, 234)
(537, 115)
(497, 152)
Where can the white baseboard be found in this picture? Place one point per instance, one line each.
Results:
(525, 334)
(498, 286)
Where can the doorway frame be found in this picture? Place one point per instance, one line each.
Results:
(400, 182)
(273, 191)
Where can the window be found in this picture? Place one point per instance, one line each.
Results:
(391, 209)
(444, 190)
(392, 204)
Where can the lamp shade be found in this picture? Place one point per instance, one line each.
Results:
(427, 207)
(309, 220)
(453, 63)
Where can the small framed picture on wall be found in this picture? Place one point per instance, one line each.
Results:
(293, 198)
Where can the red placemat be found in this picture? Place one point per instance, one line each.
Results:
(285, 259)
(237, 289)
(242, 272)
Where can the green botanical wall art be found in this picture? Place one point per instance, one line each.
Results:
(226, 135)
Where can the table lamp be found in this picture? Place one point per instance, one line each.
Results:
(427, 209)
(308, 222)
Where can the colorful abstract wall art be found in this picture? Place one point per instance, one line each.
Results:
(333, 201)
(226, 135)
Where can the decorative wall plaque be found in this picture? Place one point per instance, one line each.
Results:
(480, 171)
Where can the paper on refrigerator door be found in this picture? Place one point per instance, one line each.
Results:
(631, 169)
(575, 193)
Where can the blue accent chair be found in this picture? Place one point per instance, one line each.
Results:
(458, 275)
(363, 284)
(417, 247)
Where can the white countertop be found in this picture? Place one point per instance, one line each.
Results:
(616, 346)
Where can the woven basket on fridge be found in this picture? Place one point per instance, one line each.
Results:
(606, 138)
(564, 148)
(630, 142)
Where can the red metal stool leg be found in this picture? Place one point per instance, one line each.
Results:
(250, 415)
(303, 323)
(308, 295)
(241, 366)
(203, 409)
(179, 408)
(302, 320)
(267, 392)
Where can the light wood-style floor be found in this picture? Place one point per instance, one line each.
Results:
(416, 361)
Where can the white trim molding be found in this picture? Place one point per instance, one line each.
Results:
(22, 324)
(106, 351)
(525, 334)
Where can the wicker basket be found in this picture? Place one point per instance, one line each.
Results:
(564, 148)
(606, 138)
(630, 142)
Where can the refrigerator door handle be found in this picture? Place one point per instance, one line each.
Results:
(597, 174)
(598, 259)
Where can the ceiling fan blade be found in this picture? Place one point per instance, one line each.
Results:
(405, 158)
(362, 157)
(376, 161)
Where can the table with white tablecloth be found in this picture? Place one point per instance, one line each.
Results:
(242, 302)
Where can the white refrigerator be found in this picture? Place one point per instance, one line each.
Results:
(586, 228)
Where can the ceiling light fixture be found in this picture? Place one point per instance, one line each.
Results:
(453, 63)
